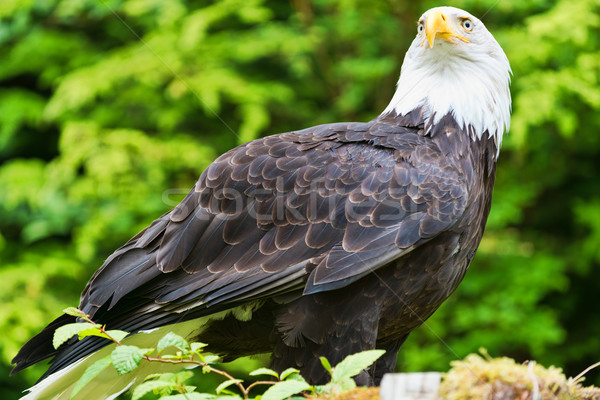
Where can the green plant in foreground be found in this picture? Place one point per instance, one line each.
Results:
(126, 358)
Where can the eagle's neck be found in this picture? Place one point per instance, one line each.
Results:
(477, 98)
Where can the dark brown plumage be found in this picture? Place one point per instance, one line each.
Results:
(321, 242)
(344, 237)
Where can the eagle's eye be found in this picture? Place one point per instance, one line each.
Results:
(467, 24)
(421, 27)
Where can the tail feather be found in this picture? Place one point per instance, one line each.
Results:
(40, 346)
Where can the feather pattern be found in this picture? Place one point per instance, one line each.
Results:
(343, 192)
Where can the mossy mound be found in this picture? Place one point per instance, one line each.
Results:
(480, 377)
(477, 377)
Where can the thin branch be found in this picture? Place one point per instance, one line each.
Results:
(250, 386)
(585, 371)
(204, 366)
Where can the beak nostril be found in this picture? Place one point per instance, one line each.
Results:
(444, 17)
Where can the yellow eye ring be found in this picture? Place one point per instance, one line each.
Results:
(467, 24)
(420, 27)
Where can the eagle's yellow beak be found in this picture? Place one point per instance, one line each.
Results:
(437, 25)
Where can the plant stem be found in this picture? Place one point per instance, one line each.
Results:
(86, 318)
(585, 371)
(203, 365)
(250, 386)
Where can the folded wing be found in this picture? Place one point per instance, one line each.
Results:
(302, 212)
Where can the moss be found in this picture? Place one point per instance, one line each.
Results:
(478, 377)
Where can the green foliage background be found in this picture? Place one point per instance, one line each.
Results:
(110, 109)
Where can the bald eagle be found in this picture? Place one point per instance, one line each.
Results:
(324, 241)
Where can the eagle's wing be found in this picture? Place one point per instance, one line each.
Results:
(305, 211)
(329, 203)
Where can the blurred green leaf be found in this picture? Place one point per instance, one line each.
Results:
(325, 363)
(90, 373)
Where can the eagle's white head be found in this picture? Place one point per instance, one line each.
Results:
(455, 66)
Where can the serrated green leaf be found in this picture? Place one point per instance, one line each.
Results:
(75, 312)
(90, 373)
(126, 358)
(67, 331)
(226, 384)
(150, 386)
(283, 390)
(289, 372)
(172, 339)
(354, 364)
(264, 371)
(326, 364)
